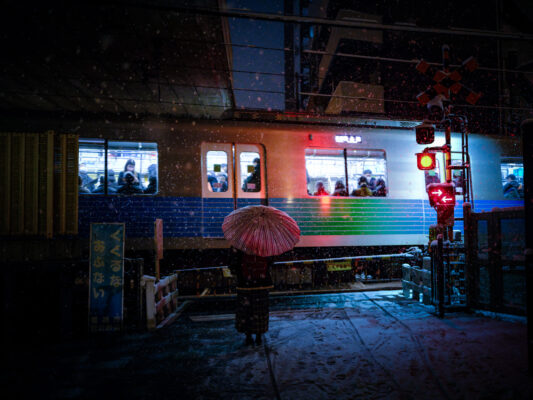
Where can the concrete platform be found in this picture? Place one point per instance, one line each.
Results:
(368, 345)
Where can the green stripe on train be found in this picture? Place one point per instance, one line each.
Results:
(355, 216)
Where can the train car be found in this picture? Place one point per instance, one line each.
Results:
(192, 174)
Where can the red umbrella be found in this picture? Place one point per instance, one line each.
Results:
(261, 230)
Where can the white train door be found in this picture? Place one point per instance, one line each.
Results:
(233, 176)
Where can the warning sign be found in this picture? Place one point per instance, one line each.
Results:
(334, 266)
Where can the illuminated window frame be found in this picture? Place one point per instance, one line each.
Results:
(350, 183)
(115, 146)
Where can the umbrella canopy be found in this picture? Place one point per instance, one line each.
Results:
(261, 230)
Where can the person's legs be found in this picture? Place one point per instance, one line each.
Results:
(258, 339)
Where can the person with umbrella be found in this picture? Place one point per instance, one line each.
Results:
(256, 233)
(253, 284)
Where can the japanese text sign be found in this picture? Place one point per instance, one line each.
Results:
(106, 269)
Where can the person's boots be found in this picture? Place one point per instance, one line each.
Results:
(249, 339)
(258, 339)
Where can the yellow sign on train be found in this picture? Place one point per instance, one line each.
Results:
(334, 266)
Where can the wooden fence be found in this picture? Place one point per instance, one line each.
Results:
(161, 300)
(496, 260)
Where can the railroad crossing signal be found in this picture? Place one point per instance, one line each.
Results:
(425, 133)
(425, 161)
(447, 83)
(442, 198)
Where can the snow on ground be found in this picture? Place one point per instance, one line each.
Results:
(373, 345)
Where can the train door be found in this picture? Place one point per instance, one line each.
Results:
(233, 176)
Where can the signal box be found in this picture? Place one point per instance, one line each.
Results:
(442, 198)
(425, 133)
(441, 194)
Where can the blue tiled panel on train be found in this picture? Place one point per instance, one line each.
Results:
(203, 217)
(182, 216)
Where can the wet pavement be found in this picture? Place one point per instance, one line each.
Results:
(375, 345)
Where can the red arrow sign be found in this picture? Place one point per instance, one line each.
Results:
(446, 199)
(439, 192)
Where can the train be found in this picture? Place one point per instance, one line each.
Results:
(200, 171)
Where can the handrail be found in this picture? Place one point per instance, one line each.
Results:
(367, 257)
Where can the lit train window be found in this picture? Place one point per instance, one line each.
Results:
(433, 175)
(250, 167)
(512, 177)
(91, 159)
(326, 172)
(324, 167)
(367, 173)
(131, 167)
(217, 171)
(457, 174)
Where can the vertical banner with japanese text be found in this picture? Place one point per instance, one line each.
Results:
(106, 268)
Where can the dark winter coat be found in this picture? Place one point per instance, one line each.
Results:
(129, 189)
(510, 190)
(253, 182)
(381, 188)
(252, 272)
(121, 180)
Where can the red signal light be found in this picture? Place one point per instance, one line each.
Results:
(441, 194)
(425, 161)
(442, 198)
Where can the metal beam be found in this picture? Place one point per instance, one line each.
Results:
(360, 24)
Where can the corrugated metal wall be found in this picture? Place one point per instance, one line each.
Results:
(39, 184)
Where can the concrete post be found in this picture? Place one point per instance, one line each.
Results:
(149, 286)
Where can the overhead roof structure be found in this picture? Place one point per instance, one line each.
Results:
(110, 58)
(178, 59)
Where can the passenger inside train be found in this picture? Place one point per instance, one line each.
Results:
(129, 167)
(253, 182)
(329, 166)
(340, 189)
(130, 186)
(431, 177)
(212, 181)
(380, 189)
(81, 186)
(370, 180)
(101, 187)
(512, 188)
(362, 188)
(320, 190)
(136, 157)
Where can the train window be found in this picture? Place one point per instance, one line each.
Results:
(136, 165)
(324, 167)
(91, 159)
(457, 175)
(250, 167)
(217, 171)
(433, 175)
(367, 173)
(512, 177)
(131, 167)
